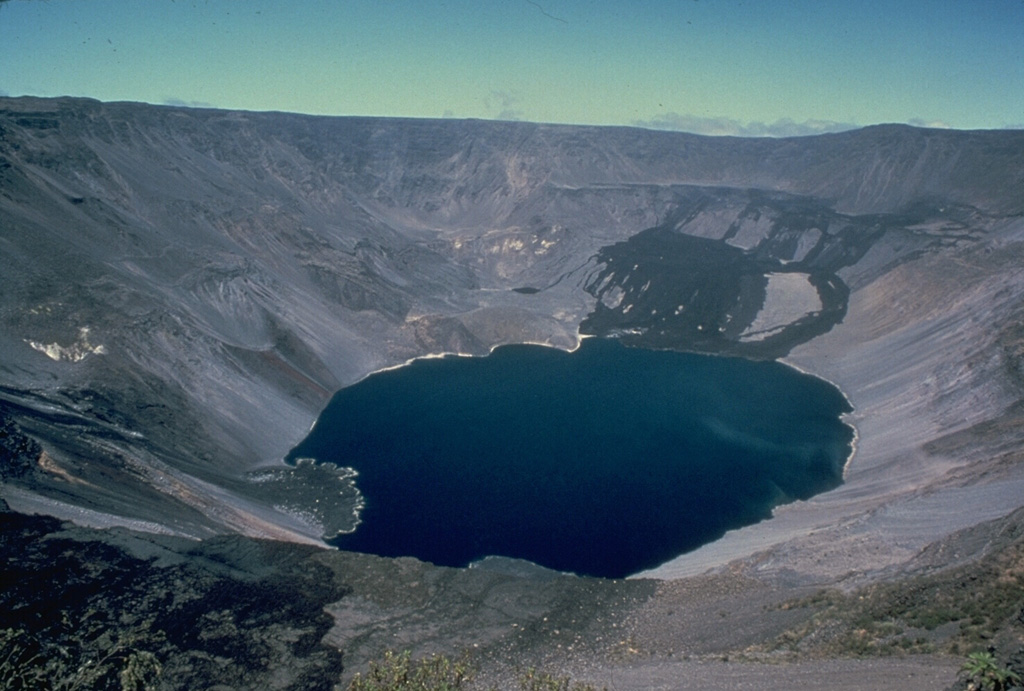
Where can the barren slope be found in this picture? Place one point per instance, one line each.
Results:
(183, 290)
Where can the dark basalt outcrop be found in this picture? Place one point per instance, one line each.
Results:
(250, 613)
(247, 614)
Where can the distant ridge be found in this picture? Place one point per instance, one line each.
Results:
(876, 169)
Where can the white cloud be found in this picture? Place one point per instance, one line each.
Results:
(187, 104)
(933, 124)
(730, 127)
(505, 103)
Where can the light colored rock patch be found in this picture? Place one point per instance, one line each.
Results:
(48, 464)
(751, 232)
(31, 503)
(789, 297)
(613, 298)
(712, 224)
(76, 352)
(808, 241)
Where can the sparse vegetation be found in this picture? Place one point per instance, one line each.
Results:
(532, 680)
(89, 615)
(399, 671)
(951, 611)
(21, 665)
(28, 663)
(984, 673)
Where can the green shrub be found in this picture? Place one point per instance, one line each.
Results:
(400, 671)
(21, 664)
(26, 663)
(984, 672)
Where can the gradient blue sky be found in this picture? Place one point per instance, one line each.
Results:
(716, 66)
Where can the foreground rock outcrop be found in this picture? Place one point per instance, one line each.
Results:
(83, 605)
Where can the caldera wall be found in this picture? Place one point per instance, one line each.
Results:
(184, 289)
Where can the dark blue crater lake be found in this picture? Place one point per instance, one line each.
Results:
(604, 461)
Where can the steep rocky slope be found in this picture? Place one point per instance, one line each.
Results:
(182, 290)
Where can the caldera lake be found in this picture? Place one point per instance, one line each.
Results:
(604, 461)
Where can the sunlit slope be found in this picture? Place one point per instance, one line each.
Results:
(183, 289)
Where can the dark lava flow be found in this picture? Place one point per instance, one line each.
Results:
(664, 289)
(604, 462)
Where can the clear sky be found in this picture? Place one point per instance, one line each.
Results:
(715, 66)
